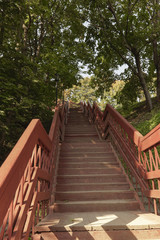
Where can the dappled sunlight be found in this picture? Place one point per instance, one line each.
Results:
(101, 225)
(74, 222)
(98, 220)
(104, 219)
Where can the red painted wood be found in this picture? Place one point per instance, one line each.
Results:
(139, 152)
(26, 177)
(27, 173)
(151, 139)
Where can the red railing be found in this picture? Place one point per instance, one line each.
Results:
(139, 154)
(26, 177)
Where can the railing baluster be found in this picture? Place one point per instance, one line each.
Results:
(4, 226)
(21, 191)
(35, 156)
(155, 206)
(10, 224)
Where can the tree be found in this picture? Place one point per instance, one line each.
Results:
(81, 92)
(38, 38)
(122, 29)
(154, 14)
(88, 90)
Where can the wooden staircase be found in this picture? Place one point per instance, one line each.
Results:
(91, 182)
(89, 176)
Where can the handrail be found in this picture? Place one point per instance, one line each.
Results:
(27, 176)
(140, 153)
(14, 164)
(151, 139)
(131, 131)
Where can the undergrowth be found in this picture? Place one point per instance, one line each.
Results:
(143, 120)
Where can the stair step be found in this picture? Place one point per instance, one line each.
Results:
(86, 154)
(107, 159)
(82, 171)
(101, 178)
(106, 225)
(80, 129)
(74, 124)
(84, 164)
(93, 206)
(75, 129)
(92, 186)
(78, 125)
(79, 135)
(82, 139)
(78, 119)
(86, 150)
(151, 234)
(94, 195)
(83, 145)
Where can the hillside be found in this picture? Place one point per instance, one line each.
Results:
(143, 120)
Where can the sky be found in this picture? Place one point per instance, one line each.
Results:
(118, 71)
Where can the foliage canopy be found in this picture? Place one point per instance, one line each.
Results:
(40, 38)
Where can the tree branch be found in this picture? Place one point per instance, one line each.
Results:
(123, 58)
(111, 9)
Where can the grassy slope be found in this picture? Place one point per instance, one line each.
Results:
(143, 120)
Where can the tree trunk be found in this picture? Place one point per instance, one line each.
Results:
(141, 77)
(156, 53)
(137, 70)
(40, 37)
(156, 58)
(145, 90)
(25, 32)
(158, 82)
(2, 29)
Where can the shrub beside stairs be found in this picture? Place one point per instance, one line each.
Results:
(94, 198)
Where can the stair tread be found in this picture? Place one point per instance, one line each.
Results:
(100, 221)
(81, 134)
(93, 175)
(86, 158)
(91, 168)
(68, 165)
(105, 163)
(113, 201)
(105, 152)
(89, 144)
(83, 184)
(97, 191)
(90, 151)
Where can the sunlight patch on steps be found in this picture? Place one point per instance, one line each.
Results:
(101, 220)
